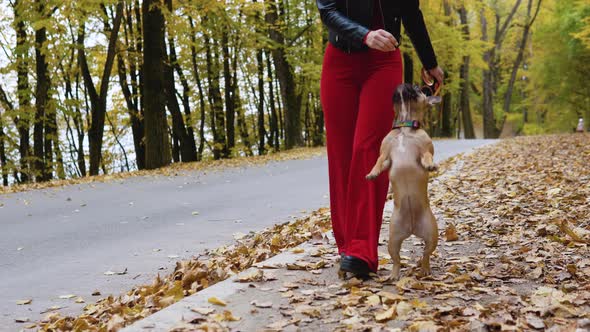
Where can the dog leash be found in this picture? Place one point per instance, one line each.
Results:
(429, 83)
(428, 90)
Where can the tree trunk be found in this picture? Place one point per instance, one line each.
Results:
(186, 91)
(261, 128)
(469, 133)
(79, 123)
(41, 98)
(520, 56)
(3, 160)
(187, 150)
(290, 97)
(134, 115)
(446, 129)
(98, 99)
(230, 109)
(490, 74)
(274, 120)
(157, 150)
(318, 139)
(446, 126)
(489, 121)
(131, 94)
(260, 118)
(187, 146)
(217, 117)
(22, 121)
(200, 88)
(243, 127)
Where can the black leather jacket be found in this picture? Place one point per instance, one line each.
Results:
(348, 22)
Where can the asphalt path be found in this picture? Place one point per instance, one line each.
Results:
(61, 241)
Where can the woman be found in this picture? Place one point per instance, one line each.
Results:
(362, 67)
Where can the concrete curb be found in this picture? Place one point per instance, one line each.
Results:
(173, 315)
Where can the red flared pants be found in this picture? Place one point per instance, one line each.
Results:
(356, 95)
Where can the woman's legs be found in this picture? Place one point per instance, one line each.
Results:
(340, 90)
(366, 199)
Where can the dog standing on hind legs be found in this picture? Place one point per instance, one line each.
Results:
(407, 151)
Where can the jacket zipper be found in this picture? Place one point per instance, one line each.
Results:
(347, 15)
(382, 16)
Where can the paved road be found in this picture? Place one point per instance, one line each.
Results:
(61, 241)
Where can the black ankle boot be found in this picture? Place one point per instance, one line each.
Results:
(355, 265)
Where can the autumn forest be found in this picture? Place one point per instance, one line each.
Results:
(100, 87)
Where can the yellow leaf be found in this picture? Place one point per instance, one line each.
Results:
(227, 316)
(462, 278)
(216, 301)
(403, 308)
(389, 298)
(563, 226)
(297, 250)
(423, 327)
(373, 300)
(386, 315)
(451, 233)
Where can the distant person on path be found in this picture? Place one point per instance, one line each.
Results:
(362, 67)
(580, 128)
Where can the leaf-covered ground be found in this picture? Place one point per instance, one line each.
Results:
(515, 228)
(513, 255)
(176, 169)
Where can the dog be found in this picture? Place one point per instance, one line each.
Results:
(407, 151)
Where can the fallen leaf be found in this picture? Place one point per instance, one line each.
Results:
(216, 301)
(253, 276)
(451, 233)
(258, 304)
(52, 308)
(422, 326)
(386, 315)
(110, 273)
(24, 302)
(226, 316)
(535, 321)
(203, 311)
(563, 226)
(403, 309)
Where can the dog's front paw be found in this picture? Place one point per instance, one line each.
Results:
(371, 176)
(395, 273)
(431, 167)
(425, 272)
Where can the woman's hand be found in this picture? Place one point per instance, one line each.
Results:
(438, 74)
(381, 40)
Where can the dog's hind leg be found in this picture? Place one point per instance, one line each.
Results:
(430, 236)
(397, 234)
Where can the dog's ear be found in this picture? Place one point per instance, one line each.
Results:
(434, 100)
